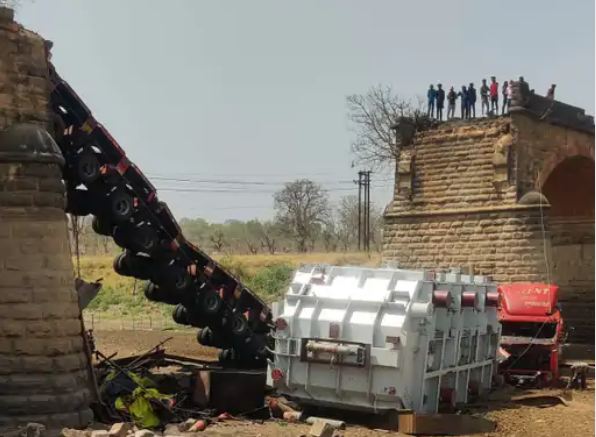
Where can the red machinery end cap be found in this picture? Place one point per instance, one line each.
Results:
(528, 298)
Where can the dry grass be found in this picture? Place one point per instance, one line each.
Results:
(93, 267)
(266, 275)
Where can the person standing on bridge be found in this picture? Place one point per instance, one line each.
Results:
(550, 94)
(509, 95)
(484, 98)
(505, 92)
(431, 95)
(451, 98)
(463, 94)
(494, 95)
(440, 101)
(471, 101)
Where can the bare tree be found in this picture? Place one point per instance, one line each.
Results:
(270, 232)
(373, 115)
(302, 208)
(217, 239)
(347, 222)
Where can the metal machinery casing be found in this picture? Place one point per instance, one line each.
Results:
(378, 339)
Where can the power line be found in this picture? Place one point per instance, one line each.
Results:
(246, 182)
(238, 190)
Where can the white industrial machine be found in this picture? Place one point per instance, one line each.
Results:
(380, 339)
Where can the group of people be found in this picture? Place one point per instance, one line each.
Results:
(489, 98)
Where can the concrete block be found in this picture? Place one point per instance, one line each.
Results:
(144, 433)
(321, 429)
(120, 429)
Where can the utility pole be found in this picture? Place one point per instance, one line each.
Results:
(364, 210)
(368, 210)
(360, 179)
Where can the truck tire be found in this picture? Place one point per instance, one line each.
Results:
(173, 277)
(101, 226)
(239, 326)
(211, 338)
(120, 205)
(78, 202)
(157, 294)
(121, 266)
(88, 167)
(180, 315)
(129, 264)
(227, 357)
(121, 236)
(211, 303)
(144, 239)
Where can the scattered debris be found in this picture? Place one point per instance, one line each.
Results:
(579, 375)
(443, 424)
(87, 291)
(68, 432)
(335, 424)
(321, 429)
(120, 429)
(144, 433)
(30, 430)
(543, 400)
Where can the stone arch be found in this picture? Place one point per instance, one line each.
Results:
(559, 156)
(569, 188)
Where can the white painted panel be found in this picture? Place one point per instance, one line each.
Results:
(331, 315)
(393, 320)
(363, 317)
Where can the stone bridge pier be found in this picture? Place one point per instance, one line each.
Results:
(43, 369)
(511, 197)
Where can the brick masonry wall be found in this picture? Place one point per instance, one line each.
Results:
(43, 368)
(498, 243)
(24, 89)
(453, 168)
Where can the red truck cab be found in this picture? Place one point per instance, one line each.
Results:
(532, 332)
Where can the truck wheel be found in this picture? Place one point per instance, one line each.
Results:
(88, 167)
(121, 266)
(120, 235)
(152, 292)
(78, 202)
(101, 226)
(211, 303)
(205, 337)
(209, 337)
(144, 239)
(139, 266)
(155, 293)
(180, 315)
(240, 325)
(228, 358)
(173, 277)
(121, 206)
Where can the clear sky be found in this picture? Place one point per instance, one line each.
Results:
(240, 96)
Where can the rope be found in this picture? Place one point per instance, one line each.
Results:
(75, 232)
(548, 281)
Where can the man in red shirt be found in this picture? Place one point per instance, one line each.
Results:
(494, 95)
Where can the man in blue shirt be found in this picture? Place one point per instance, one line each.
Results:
(431, 95)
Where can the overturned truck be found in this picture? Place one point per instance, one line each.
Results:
(385, 339)
(101, 180)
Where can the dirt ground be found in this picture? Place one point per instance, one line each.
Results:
(513, 420)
